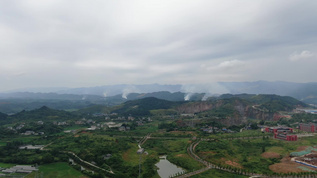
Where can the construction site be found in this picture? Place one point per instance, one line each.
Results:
(308, 160)
(306, 157)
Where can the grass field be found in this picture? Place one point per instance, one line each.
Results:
(57, 170)
(2, 143)
(145, 129)
(19, 138)
(5, 165)
(74, 127)
(213, 173)
(131, 157)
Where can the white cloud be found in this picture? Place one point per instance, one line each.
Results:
(302, 55)
(228, 65)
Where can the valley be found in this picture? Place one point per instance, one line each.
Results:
(223, 136)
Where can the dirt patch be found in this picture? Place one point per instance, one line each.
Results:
(270, 155)
(183, 132)
(76, 136)
(286, 166)
(125, 155)
(233, 164)
(181, 155)
(207, 152)
(301, 148)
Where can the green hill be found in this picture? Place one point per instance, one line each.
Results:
(272, 103)
(45, 114)
(143, 107)
(3, 116)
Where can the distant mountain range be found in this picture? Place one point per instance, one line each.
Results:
(301, 91)
(77, 98)
(228, 109)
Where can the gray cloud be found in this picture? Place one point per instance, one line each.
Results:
(79, 43)
(302, 55)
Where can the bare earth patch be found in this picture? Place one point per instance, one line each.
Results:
(233, 164)
(286, 166)
(270, 155)
(207, 152)
(181, 155)
(301, 148)
(126, 156)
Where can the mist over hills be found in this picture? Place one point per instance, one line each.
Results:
(78, 98)
(301, 91)
(228, 109)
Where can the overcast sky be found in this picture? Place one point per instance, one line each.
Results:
(77, 43)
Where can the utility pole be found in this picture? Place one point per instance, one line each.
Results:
(140, 152)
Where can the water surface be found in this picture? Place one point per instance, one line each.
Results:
(166, 168)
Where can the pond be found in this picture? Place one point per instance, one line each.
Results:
(166, 168)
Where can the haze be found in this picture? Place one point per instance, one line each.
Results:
(90, 43)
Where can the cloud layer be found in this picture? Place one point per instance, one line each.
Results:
(79, 43)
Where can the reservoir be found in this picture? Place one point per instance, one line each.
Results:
(166, 168)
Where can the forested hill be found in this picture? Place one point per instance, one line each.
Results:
(270, 102)
(224, 105)
(142, 107)
(45, 114)
(3, 116)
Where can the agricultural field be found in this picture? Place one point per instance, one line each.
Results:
(262, 155)
(56, 170)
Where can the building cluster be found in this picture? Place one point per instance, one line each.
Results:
(85, 121)
(31, 147)
(310, 127)
(31, 132)
(20, 169)
(19, 127)
(60, 123)
(124, 128)
(282, 133)
(210, 129)
(311, 111)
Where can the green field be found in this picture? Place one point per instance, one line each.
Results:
(131, 157)
(75, 127)
(213, 173)
(56, 170)
(2, 143)
(5, 165)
